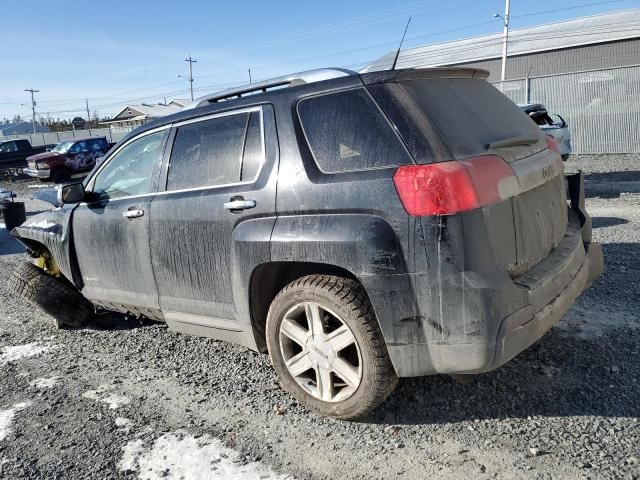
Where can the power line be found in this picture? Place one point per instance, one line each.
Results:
(430, 56)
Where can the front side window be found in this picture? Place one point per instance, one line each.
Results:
(346, 131)
(129, 172)
(218, 151)
(78, 147)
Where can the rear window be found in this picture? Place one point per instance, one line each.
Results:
(346, 131)
(469, 114)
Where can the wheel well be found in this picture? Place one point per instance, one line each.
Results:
(269, 278)
(34, 248)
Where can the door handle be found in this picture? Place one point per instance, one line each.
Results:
(133, 213)
(239, 204)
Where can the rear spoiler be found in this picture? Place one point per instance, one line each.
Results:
(372, 78)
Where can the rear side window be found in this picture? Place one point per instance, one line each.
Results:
(347, 131)
(211, 152)
(469, 114)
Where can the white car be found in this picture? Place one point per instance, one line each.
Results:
(551, 124)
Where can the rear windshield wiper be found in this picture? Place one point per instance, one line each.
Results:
(513, 142)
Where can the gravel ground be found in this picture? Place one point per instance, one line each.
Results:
(129, 399)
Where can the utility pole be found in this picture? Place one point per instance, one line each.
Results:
(33, 106)
(86, 102)
(505, 39)
(190, 77)
(250, 81)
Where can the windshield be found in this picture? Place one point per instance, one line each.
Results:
(62, 147)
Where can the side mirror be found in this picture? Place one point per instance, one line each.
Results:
(71, 193)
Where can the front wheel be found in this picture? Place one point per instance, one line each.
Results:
(60, 175)
(326, 347)
(58, 298)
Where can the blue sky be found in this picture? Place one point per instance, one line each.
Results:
(120, 52)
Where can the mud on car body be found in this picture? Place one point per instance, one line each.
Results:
(357, 227)
(67, 159)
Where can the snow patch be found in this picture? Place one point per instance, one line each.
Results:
(124, 424)
(7, 417)
(104, 394)
(44, 224)
(13, 353)
(43, 383)
(179, 455)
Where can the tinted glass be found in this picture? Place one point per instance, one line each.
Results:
(129, 172)
(346, 131)
(8, 147)
(208, 153)
(97, 144)
(469, 114)
(252, 157)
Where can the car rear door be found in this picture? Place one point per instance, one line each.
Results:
(111, 232)
(219, 173)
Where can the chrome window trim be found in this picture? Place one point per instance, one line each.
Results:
(211, 117)
(186, 122)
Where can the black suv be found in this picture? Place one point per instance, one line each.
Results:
(357, 227)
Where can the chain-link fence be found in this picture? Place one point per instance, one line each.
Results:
(50, 138)
(602, 107)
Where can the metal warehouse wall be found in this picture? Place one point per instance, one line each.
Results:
(577, 59)
(602, 107)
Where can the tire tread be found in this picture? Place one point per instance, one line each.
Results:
(352, 295)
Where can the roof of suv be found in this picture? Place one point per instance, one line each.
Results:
(302, 83)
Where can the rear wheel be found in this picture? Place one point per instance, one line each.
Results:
(326, 346)
(59, 299)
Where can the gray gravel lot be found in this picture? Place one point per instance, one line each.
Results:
(76, 404)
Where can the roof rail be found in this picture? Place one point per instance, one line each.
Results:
(309, 76)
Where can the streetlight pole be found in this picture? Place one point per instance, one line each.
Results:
(33, 107)
(505, 39)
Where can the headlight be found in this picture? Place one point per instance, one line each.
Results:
(42, 166)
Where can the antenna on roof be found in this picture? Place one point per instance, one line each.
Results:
(395, 60)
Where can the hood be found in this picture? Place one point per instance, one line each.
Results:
(49, 195)
(43, 156)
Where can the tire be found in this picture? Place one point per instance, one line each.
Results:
(59, 299)
(340, 302)
(60, 175)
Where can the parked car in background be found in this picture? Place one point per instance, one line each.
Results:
(551, 124)
(357, 227)
(13, 153)
(67, 159)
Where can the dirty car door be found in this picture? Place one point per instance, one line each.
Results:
(111, 231)
(217, 180)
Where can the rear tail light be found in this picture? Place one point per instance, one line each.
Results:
(552, 144)
(452, 187)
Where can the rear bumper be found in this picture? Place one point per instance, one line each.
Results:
(32, 172)
(522, 328)
(516, 331)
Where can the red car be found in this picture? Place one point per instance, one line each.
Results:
(67, 158)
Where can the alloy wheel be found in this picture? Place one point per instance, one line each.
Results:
(320, 352)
